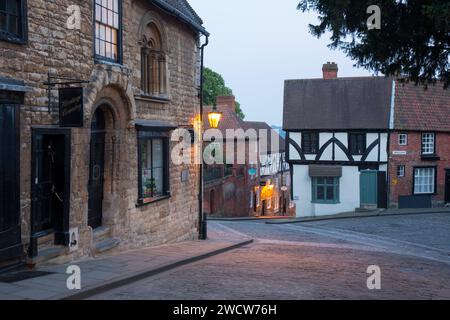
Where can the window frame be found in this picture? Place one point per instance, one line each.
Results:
(422, 144)
(102, 59)
(316, 144)
(336, 190)
(23, 27)
(400, 135)
(144, 136)
(399, 174)
(434, 192)
(350, 145)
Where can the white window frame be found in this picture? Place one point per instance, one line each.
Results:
(401, 171)
(403, 139)
(424, 180)
(428, 143)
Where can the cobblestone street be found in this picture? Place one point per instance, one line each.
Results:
(318, 260)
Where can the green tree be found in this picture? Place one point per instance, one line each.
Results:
(214, 86)
(413, 42)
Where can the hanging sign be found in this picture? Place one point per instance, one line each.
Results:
(71, 107)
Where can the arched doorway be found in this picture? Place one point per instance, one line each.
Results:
(96, 169)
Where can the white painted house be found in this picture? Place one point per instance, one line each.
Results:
(337, 138)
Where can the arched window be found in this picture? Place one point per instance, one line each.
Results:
(153, 63)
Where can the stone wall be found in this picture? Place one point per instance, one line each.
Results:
(52, 47)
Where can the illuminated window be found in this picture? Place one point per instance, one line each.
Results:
(107, 29)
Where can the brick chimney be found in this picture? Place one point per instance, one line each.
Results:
(226, 102)
(330, 70)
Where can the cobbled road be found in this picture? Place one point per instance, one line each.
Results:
(316, 260)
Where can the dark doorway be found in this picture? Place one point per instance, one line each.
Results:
(10, 231)
(211, 202)
(264, 204)
(447, 186)
(96, 169)
(51, 183)
(382, 190)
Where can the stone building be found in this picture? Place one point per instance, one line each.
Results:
(88, 170)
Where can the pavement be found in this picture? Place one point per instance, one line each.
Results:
(110, 272)
(317, 260)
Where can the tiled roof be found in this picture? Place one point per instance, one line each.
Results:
(342, 103)
(183, 10)
(417, 108)
(262, 125)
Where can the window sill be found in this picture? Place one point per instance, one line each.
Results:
(106, 61)
(325, 202)
(152, 201)
(430, 157)
(11, 38)
(149, 98)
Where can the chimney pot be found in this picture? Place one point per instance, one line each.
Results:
(330, 70)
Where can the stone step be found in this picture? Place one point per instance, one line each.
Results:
(106, 245)
(101, 233)
(46, 254)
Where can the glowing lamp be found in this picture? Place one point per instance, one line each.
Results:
(214, 118)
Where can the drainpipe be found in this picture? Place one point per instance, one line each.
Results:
(203, 225)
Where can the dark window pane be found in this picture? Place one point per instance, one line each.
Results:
(13, 26)
(320, 193)
(330, 181)
(330, 193)
(2, 21)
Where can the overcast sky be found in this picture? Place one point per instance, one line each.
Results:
(257, 44)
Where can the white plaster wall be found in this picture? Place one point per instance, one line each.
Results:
(383, 146)
(297, 137)
(324, 137)
(348, 189)
(373, 155)
(339, 154)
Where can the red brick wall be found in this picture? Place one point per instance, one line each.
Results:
(404, 186)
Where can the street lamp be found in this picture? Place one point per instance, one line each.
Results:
(214, 118)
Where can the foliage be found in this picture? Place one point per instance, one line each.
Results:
(413, 41)
(214, 86)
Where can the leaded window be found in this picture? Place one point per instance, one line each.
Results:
(424, 180)
(428, 143)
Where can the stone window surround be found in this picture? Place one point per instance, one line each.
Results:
(152, 17)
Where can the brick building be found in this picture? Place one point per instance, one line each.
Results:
(419, 158)
(252, 187)
(87, 170)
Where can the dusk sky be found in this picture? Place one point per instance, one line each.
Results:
(257, 44)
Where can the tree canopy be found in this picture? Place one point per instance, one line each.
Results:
(214, 86)
(413, 42)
